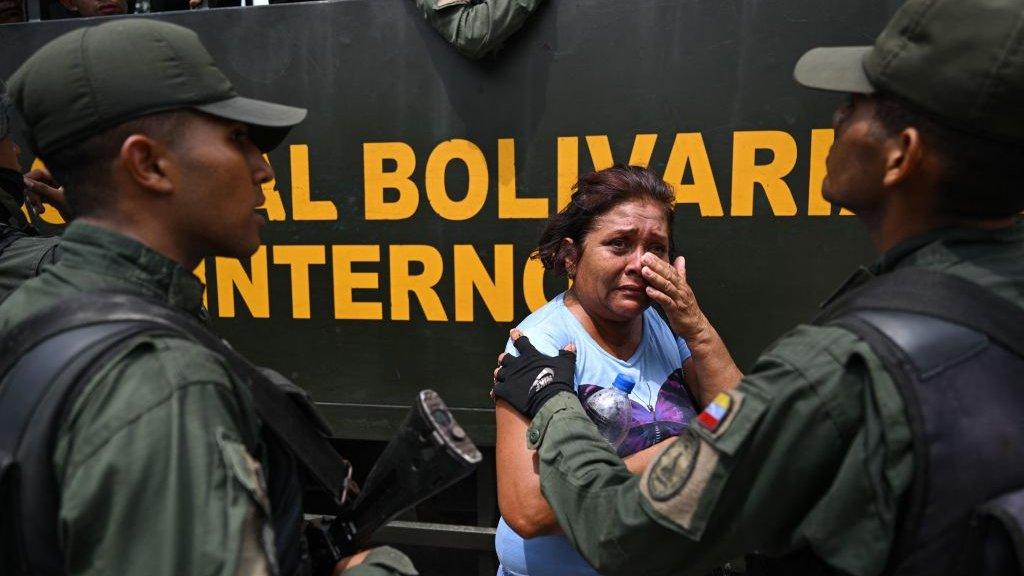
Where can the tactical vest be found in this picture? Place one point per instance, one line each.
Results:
(956, 354)
(45, 361)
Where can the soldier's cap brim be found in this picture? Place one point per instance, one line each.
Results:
(839, 69)
(269, 122)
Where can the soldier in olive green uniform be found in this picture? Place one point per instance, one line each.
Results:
(160, 462)
(22, 252)
(809, 458)
(477, 27)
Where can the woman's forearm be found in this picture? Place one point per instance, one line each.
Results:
(711, 365)
(638, 462)
(519, 497)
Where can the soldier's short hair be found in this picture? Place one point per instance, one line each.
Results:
(85, 168)
(981, 176)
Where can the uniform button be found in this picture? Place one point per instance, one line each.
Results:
(534, 435)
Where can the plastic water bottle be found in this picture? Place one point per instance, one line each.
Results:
(611, 411)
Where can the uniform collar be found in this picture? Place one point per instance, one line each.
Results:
(908, 252)
(904, 254)
(132, 265)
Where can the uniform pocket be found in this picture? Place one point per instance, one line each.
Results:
(257, 553)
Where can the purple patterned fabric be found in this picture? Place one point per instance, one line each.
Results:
(672, 414)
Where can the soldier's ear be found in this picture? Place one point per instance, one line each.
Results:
(148, 163)
(904, 157)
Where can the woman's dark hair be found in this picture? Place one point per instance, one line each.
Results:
(595, 194)
(981, 178)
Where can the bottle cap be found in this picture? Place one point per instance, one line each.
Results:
(624, 383)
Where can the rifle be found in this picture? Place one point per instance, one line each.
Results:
(429, 453)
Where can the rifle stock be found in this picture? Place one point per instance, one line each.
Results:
(429, 453)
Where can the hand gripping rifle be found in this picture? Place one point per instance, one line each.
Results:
(429, 453)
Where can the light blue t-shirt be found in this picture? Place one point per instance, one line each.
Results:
(661, 407)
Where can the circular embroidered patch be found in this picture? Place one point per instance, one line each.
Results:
(671, 471)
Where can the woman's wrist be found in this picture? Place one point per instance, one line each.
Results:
(696, 333)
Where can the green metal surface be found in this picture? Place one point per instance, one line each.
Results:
(431, 534)
(579, 75)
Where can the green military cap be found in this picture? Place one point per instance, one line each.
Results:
(97, 77)
(960, 60)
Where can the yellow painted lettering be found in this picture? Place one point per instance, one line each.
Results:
(476, 191)
(405, 283)
(643, 149)
(568, 168)
(510, 205)
(688, 150)
(746, 173)
(299, 259)
(376, 181)
(200, 272)
(303, 205)
(254, 289)
(600, 152)
(471, 275)
(533, 284)
(272, 203)
(345, 281)
(821, 141)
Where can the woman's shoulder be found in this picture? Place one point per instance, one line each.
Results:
(549, 328)
(549, 313)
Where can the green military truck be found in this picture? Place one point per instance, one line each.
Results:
(406, 207)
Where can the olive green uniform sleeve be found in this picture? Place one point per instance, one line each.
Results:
(157, 472)
(383, 561)
(476, 27)
(811, 450)
(24, 259)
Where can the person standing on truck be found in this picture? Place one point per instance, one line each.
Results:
(162, 464)
(11, 11)
(87, 8)
(882, 436)
(476, 27)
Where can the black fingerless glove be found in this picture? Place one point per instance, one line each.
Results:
(529, 380)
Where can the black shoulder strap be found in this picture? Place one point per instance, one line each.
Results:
(278, 412)
(940, 295)
(37, 390)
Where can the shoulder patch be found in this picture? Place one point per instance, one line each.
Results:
(673, 468)
(719, 414)
(675, 482)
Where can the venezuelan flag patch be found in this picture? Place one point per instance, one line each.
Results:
(716, 412)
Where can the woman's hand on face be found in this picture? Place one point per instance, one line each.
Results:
(666, 285)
